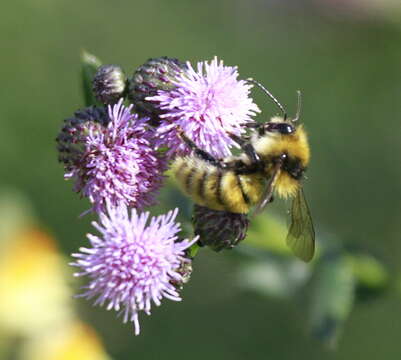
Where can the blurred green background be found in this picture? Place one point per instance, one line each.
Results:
(347, 62)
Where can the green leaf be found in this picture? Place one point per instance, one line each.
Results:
(371, 275)
(333, 297)
(193, 250)
(89, 65)
(268, 233)
(368, 270)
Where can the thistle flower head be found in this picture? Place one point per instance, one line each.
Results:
(207, 103)
(72, 137)
(118, 163)
(134, 262)
(155, 74)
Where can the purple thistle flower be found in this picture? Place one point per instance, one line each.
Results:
(134, 262)
(119, 162)
(206, 104)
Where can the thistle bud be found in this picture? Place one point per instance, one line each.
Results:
(109, 84)
(70, 140)
(156, 74)
(219, 229)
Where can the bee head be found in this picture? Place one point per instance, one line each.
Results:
(282, 142)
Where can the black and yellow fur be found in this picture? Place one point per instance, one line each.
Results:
(236, 184)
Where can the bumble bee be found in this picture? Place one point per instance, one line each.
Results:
(274, 159)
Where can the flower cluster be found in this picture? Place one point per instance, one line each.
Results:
(117, 153)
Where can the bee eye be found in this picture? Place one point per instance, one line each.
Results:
(286, 129)
(282, 128)
(283, 156)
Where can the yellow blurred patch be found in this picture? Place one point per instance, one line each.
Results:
(34, 294)
(72, 341)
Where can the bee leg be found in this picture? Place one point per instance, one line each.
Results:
(248, 149)
(204, 155)
(253, 125)
(260, 127)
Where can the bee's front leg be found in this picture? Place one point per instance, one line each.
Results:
(248, 149)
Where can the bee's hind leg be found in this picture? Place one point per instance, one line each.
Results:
(204, 155)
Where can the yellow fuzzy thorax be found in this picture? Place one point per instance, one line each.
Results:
(286, 186)
(295, 145)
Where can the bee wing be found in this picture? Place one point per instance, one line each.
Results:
(301, 234)
(268, 192)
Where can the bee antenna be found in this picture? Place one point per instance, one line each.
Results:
(270, 95)
(298, 107)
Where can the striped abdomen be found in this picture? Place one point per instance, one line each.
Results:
(216, 188)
